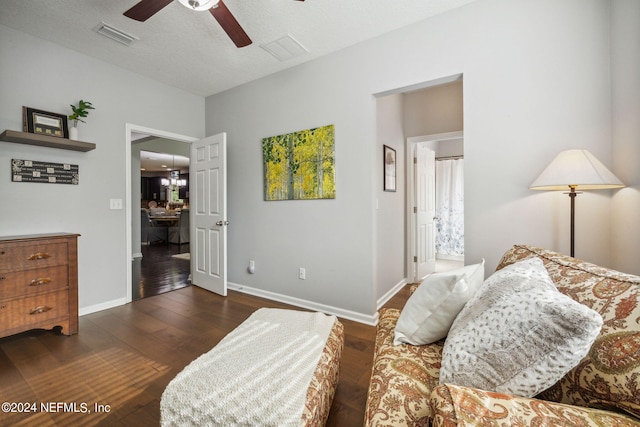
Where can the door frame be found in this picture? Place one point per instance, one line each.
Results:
(411, 230)
(129, 129)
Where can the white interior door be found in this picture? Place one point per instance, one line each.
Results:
(209, 213)
(425, 177)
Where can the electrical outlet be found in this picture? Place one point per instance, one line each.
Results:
(115, 204)
(302, 273)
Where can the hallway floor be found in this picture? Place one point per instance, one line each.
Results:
(158, 271)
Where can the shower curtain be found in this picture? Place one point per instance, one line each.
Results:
(450, 207)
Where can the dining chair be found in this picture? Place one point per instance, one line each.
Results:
(179, 233)
(150, 233)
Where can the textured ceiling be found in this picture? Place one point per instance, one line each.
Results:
(189, 50)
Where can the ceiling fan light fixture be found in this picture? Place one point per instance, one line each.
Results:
(199, 4)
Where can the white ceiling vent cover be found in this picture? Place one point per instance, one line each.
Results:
(115, 34)
(285, 48)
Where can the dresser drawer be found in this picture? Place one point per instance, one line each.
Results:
(34, 310)
(32, 255)
(39, 283)
(28, 282)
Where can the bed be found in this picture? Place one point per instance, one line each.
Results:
(278, 368)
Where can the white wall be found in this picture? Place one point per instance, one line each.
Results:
(536, 81)
(390, 215)
(42, 75)
(625, 73)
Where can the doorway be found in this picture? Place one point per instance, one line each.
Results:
(133, 194)
(163, 264)
(435, 234)
(430, 107)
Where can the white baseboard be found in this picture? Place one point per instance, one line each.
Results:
(102, 306)
(338, 312)
(391, 292)
(137, 255)
(298, 302)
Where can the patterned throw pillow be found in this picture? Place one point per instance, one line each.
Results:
(431, 309)
(608, 375)
(518, 334)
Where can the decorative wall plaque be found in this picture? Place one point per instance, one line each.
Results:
(53, 173)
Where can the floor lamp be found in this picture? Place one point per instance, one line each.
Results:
(575, 170)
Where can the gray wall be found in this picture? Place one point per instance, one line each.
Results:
(390, 206)
(434, 110)
(42, 75)
(625, 72)
(536, 81)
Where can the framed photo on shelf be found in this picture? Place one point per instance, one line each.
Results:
(44, 123)
(389, 169)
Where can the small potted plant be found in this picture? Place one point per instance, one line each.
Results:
(80, 111)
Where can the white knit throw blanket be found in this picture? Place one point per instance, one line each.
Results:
(258, 375)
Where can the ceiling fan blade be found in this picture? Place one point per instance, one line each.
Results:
(146, 9)
(230, 25)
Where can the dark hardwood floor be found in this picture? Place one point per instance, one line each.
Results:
(158, 271)
(123, 358)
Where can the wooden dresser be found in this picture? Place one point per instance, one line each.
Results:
(39, 283)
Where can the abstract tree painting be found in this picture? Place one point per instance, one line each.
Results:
(300, 165)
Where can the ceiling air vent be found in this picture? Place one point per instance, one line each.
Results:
(284, 48)
(115, 34)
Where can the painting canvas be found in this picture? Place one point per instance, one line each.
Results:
(300, 165)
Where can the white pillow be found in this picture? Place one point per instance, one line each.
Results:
(430, 311)
(518, 335)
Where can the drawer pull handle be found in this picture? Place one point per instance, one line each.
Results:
(2, 252)
(38, 255)
(3, 277)
(40, 309)
(40, 281)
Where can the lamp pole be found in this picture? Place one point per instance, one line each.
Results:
(572, 195)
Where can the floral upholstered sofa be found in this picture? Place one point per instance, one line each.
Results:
(602, 389)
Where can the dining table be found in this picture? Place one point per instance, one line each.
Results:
(165, 219)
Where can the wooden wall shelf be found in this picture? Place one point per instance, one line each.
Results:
(45, 141)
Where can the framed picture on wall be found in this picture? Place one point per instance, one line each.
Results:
(389, 169)
(44, 123)
(300, 165)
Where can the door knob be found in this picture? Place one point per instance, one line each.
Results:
(221, 223)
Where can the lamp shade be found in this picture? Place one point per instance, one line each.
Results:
(577, 169)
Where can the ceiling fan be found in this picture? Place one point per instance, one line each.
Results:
(145, 9)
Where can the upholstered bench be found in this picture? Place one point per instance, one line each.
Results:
(277, 368)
